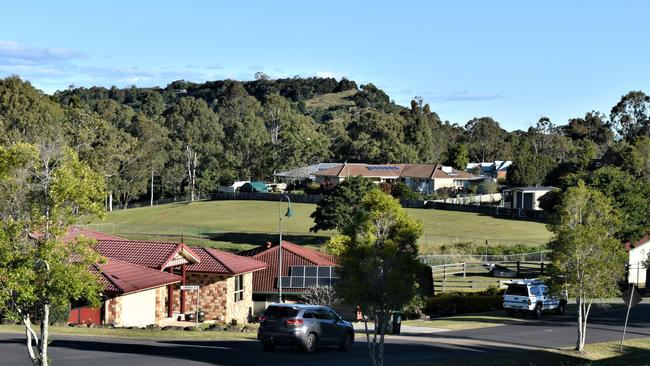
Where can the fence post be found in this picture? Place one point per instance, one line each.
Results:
(541, 268)
(518, 268)
(464, 269)
(444, 278)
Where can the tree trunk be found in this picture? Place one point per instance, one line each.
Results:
(110, 201)
(151, 204)
(45, 335)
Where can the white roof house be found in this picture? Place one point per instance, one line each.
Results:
(528, 197)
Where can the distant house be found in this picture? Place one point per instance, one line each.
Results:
(527, 197)
(301, 268)
(305, 173)
(497, 169)
(225, 279)
(638, 254)
(425, 178)
(428, 178)
(386, 173)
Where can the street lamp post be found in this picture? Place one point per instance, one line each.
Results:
(289, 214)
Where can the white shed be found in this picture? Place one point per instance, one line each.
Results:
(528, 197)
(637, 272)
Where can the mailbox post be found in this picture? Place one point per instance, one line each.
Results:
(198, 301)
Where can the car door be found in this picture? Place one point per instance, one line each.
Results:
(338, 330)
(327, 325)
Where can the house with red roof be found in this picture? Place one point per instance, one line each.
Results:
(224, 279)
(301, 268)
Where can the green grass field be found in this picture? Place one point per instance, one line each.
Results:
(239, 225)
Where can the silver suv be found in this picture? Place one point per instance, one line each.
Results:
(307, 326)
(531, 296)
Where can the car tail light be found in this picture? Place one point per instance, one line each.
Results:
(529, 302)
(263, 318)
(294, 322)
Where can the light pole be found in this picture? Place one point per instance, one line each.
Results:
(289, 214)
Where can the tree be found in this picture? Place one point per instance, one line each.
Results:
(458, 156)
(42, 190)
(587, 259)
(529, 169)
(485, 136)
(631, 115)
(336, 209)
(27, 114)
(244, 134)
(377, 252)
(594, 126)
(197, 136)
(378, 138)
(320, 295)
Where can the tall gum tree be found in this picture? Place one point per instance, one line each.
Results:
(587, 259)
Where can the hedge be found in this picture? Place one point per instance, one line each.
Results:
(451, 303)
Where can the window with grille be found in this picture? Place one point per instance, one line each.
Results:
(239, 288)
(310, 276)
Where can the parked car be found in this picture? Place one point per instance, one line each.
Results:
(531, 296)
(306, 326)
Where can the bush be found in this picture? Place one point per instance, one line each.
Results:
(400, 190)
(313, 188)
(451, 303)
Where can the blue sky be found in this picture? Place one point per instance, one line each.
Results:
(512, 60)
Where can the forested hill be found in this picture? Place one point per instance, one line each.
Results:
(192, 136)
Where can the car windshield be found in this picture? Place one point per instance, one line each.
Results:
(278, 312)
(517, 290)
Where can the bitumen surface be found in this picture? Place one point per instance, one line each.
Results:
(552, 332)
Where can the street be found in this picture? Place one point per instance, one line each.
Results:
(552, 332)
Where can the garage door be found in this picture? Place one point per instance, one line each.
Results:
(139, 309)
(528, 200)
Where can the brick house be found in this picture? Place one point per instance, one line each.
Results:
(225, 279)
(301, 268)
(134, 296)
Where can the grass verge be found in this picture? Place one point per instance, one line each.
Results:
(136, 333)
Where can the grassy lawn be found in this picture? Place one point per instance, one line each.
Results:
(469, 321)
(241, 225)
(136, 333)
(636, 352)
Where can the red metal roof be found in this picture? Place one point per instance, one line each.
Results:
(75, 231)
(149, 254)
(265, 281)
(118, 277)
(217, 261)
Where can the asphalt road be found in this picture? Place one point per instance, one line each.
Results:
(552, 332)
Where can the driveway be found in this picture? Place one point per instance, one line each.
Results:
(553, 332)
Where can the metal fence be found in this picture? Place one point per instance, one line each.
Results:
(445, 259)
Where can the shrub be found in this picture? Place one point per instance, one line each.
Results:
(400, 190)
(313, 188)
(451, 303)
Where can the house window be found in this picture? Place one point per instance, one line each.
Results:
(239, 288)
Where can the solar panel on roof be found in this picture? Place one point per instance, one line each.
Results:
(309, 276)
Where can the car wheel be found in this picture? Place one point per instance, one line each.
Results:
(310, 343)
(537, 313)
(347, 342)
(268, 346)
(561, 308)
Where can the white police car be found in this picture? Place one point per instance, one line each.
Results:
(531, 296)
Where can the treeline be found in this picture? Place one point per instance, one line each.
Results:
(189, 137)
